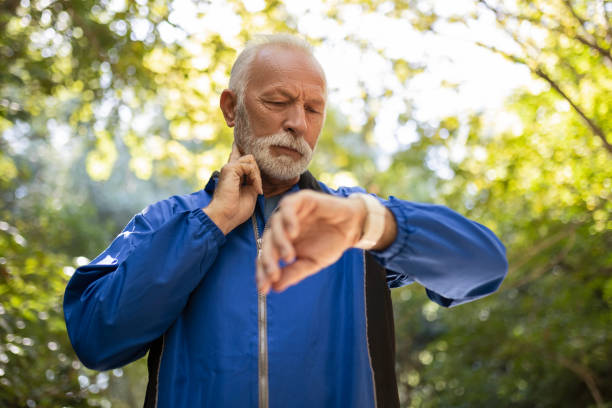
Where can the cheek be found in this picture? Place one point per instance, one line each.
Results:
(312, 136)
(265, 120)
(314, 132)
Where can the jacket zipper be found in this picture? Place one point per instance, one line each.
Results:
(262, 330)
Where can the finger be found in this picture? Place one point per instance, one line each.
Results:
(246, 172)
(294, 273)
(235, 154)
(288, 214)
(254, 178)
(269, 259)
(280, 239)
(247, 158)
(255, 175)
(246, 166)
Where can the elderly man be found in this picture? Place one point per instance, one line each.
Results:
(239, 304)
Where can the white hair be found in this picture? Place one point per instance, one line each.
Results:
(239, 76)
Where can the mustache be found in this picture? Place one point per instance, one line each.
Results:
(286, 139)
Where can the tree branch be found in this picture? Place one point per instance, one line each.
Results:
(571, 9)
(511, 57)
(586, 375)
(592, 125)
(607, 19)
(540, 73)
(538, 272)
(591, 43)
(604, 53)
(543, 244)
(490, 7)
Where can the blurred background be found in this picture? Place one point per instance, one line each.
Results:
(501, 110)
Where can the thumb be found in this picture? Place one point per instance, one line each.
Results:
(235, 154)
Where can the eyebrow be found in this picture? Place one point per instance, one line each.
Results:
(279, 90)
(287, 94)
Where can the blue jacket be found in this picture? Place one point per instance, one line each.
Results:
(172, 284)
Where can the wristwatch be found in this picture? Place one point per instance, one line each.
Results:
(374, 224)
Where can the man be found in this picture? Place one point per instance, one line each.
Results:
(238, 305)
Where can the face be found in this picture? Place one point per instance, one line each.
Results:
(281, 115)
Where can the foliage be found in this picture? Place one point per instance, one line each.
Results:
(37, 361)
(544, 184)
(107, 106)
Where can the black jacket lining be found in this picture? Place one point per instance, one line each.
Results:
(153, 364)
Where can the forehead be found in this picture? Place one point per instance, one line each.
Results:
(283, 67)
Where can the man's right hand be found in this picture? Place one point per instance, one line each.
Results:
(236, 193)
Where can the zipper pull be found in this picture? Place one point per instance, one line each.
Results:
(259, 244)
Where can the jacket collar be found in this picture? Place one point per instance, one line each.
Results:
(306, 181)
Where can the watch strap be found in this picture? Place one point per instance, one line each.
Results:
(374, 224)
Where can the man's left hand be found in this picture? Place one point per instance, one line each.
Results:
(308, 232)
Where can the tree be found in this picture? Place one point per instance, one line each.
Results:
(100, 97)
(573, 57)
(544, 186)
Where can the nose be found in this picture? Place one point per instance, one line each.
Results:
(295, 121)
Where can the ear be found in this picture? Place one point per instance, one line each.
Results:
(228, 106)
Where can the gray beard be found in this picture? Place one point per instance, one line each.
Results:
(282, 167)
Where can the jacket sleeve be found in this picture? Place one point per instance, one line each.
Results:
(457, 260)
(131, 294)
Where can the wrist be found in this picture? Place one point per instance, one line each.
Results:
(358, 214)
(220, 220)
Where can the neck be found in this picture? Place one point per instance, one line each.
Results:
(272, 186)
